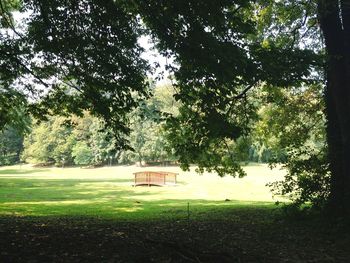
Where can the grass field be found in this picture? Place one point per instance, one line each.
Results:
(95, 215)
(108, 192)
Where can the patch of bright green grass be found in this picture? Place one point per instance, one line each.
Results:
(108, 193)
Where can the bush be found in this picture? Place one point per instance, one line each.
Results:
(307, 181)
(9, 159)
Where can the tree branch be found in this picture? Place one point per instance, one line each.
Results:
(7, 16)
(244, 92)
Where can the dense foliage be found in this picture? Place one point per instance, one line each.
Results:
(84, 141)
(292, 126)
(52, 58)
(221, 54)
(11, 146)
(56, 143)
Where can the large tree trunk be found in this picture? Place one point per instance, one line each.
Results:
(335, 24)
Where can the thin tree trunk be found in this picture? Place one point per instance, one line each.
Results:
(335, 27)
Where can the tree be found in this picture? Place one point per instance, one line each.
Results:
(15, 125)
(82, 154)
(221, 53)
(101, 143)
(11, 145)
(54, 60)
(148, 137)
(61, 140)
(223, 49)
(49, 142)
(334, 17)
(64, 140)
(13, 102)
(292, 126)
(37, 145)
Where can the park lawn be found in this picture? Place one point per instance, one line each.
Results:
(95, 215)
(108, 192)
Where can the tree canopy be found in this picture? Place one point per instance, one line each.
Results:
(73, 56)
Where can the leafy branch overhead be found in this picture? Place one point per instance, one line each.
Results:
(79, 55)
(222, 50)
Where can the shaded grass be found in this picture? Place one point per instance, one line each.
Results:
(79, 215)
(235, 233)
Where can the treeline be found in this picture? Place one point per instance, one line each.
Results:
(84, 140)
(62, 141)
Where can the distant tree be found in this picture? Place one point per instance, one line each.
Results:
(164, 96)
(11, 145)
(82, 154)
(61, 139)
(102, 143)
(91, 130)
(148, 138)
(37, 146)
(49, 141)
(14, 124)
(56, 139)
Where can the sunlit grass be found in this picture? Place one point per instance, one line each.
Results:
(108, 192)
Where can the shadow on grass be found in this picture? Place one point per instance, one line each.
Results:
(233, 232)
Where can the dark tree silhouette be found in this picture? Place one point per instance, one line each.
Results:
(334, 17)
